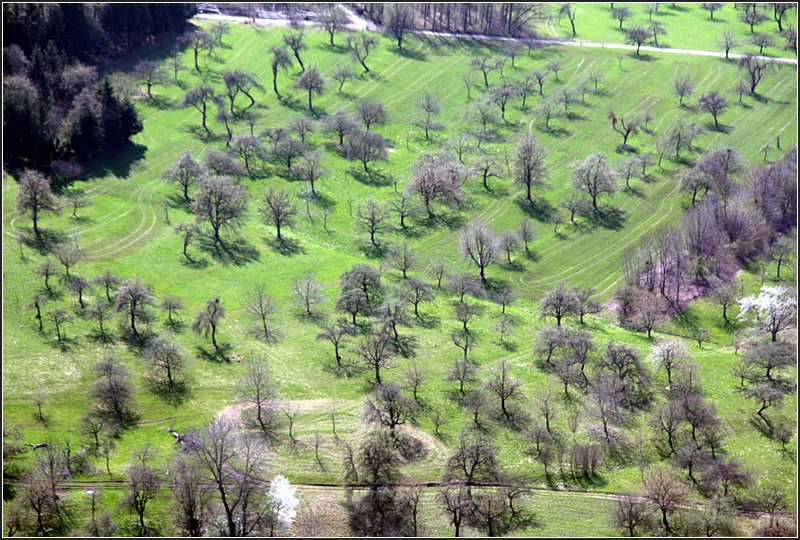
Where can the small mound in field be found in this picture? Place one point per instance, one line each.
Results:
(410, 447)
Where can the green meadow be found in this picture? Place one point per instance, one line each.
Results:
(125, 229)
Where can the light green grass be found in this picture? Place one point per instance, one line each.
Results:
(124, 230)
(688, 26)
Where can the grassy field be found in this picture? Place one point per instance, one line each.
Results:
(688, 26)
(125, 230)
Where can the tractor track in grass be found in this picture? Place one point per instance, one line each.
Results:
(614, 249)
(497, 206)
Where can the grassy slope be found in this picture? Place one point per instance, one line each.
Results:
(688, 27)
(124, 230)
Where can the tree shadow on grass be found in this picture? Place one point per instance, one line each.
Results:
(178, 202)
(371, 178)
(607, 217)
(541, 209)
(411, 231)
(212, 355)
(429, 321)
(722, 128)
(236, 251)
(447, 220)
(66, 344)
(105, 338)
(119, 164)
(644, 57)
(532, 255)
(633, 191)
(160, 102)
(200, 134)
(508, 346)
(514, 266)
(175, 394)
(412, 54)
(44, 243)
(196, 264)
(555, 131)
(286, 246)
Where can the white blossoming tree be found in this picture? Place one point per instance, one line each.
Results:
(773, 310)
(283, 502)
(669, 354)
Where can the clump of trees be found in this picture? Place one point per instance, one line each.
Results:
(58, 113)
(732, 224)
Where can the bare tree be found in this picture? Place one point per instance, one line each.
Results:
(186, 171)
(309, 293)
(150, 73)
(167, 365)
(221, 203)
(280, 60)
(296, 42)
(336, 333)
(402, 258)
(198, 41)
(457, 504)
(192, 496)
(201, 98)
(68, 254)
(479, 244)
(398, 20)
(262, 308)
(387, 406)
(530, 170)
(437, 177)
(504, 387)
(259, 392)
(113, 394)
(727, 42)
(623, 127)
(415, 292)
(662, 487)
(430, 107)
(684, 87)
(371, 113)
(207, 321)
(366, 147)
(279, 210)
(631, 515)
(372, 217)
(376, 353)
(340, 123)
(333, 20)
(414, 377)
(621, 14)
(136, 300)
(559, 303)
(35, 196)
(594, 176)
(360, 45)
(233, 465)
(714, 104)
(755, 68)
(473, 462)
(143, 486)
(312, 82)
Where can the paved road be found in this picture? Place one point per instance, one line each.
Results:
(359, 23)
